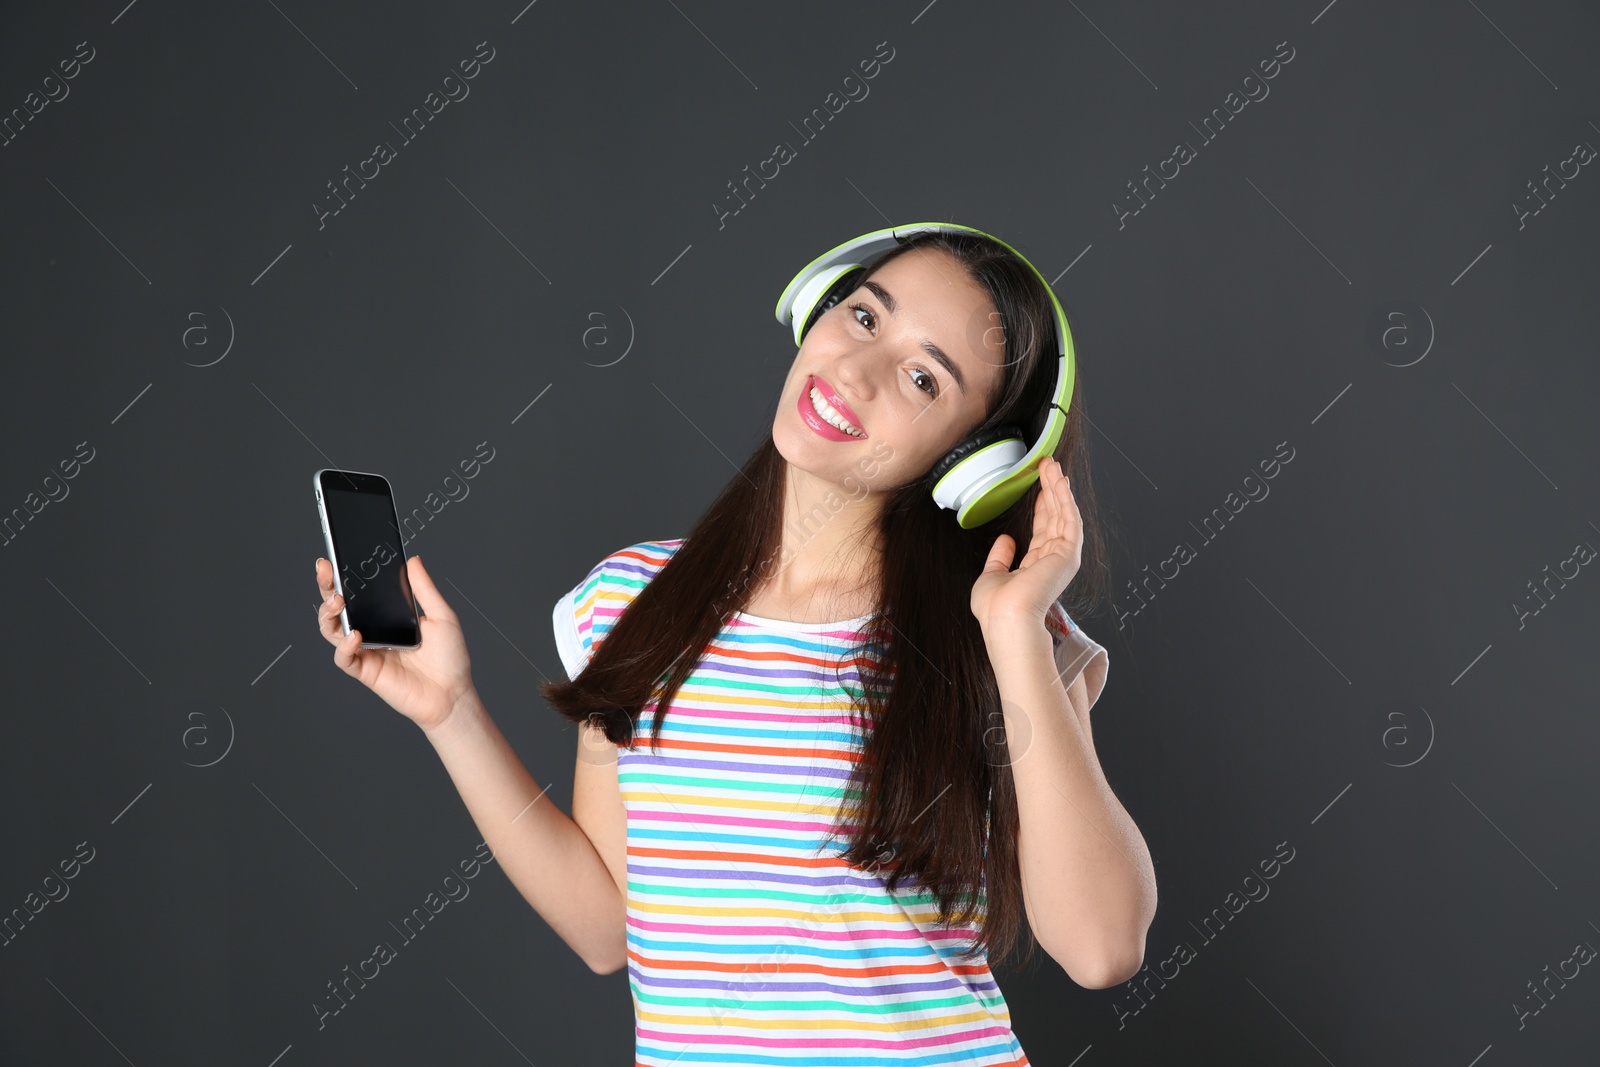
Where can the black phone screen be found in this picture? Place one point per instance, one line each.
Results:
(370, 559)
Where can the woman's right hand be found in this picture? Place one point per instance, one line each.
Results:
(424, 684)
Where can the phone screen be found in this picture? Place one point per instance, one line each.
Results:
(361, 528)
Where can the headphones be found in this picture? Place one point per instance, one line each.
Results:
(989, 471)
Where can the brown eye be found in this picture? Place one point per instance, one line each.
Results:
(932, 386)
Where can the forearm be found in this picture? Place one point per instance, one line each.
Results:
(544, 852)
(1085, 867)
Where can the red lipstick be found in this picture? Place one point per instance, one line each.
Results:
(809, 415)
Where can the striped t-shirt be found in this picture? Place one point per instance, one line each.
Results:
(749, 940)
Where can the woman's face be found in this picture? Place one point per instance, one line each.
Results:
(910, 359)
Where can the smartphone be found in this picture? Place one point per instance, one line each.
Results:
(361, 528)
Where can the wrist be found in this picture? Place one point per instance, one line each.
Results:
(1012, 634)
(1014, 627)
(466, 709)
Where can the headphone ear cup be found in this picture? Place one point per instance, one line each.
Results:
(836, 292)
(978, 441)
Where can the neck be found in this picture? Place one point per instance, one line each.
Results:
(830, 542)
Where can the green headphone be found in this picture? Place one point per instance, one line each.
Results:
(985, 474)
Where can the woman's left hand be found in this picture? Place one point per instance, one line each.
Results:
(1002, 595)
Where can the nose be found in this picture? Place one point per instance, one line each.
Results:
(853, 375)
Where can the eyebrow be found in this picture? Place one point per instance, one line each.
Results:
(926, 345)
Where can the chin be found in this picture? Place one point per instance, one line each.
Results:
(790, 440)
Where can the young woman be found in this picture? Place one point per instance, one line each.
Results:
(845, 691)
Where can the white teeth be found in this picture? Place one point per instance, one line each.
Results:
(832, 417)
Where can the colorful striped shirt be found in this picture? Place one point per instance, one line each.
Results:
(749, 940)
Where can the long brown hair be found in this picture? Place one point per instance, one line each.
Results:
(934, 735)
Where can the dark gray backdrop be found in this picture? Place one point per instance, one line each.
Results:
(1351, 668)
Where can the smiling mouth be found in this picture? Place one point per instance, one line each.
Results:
(828, 414)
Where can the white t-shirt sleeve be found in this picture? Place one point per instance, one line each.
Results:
(565, 619)
(1078, 653)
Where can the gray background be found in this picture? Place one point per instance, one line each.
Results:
(1360, 617)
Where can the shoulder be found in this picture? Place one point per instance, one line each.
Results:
(587, 611)
(616, 579)
(633, 566)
